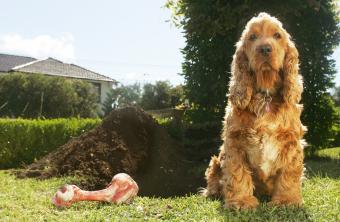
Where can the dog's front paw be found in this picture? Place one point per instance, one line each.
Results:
(246, 203)
(284, 201)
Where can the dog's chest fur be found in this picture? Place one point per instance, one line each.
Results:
(264, 154)
(269, 153)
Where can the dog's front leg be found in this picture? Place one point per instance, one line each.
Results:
(237, 181)
(287, 188)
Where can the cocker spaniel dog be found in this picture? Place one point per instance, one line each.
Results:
(262, 151)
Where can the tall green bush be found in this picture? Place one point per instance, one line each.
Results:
(22, 141)
(211, 29)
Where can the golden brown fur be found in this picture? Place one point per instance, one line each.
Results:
(262, 147)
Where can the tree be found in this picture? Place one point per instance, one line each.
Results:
(86, 103)
(156, 96)
(153, 96)
(336, 126)
(32, 96)
(122, 96)
(336, 96)
(211, 29)
(177, 95)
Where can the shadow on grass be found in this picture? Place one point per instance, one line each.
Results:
(266, 213)
(323, 167)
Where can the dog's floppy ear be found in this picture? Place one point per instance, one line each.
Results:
(292, 80)
(241, 82)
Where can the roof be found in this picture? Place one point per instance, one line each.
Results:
(7, 62)
(55, 67)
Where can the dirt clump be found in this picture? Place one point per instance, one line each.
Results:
(129, 141)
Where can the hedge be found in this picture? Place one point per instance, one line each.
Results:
(22, 141)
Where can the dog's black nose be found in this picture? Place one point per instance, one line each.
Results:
(265, 49)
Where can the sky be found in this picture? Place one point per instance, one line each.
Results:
(127, 40)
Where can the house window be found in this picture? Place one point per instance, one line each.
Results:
(97, 90)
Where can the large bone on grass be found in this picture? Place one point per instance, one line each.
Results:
(122, 189)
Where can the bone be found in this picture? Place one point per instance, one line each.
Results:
(122, 189)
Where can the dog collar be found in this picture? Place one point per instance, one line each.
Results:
(267, 96)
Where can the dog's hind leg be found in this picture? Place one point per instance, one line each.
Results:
(213, 175)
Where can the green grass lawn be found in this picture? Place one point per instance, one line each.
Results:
(30, 200)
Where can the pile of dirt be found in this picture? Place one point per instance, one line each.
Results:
(130, 141)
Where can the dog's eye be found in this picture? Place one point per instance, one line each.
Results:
(253, 37)
(277, 35)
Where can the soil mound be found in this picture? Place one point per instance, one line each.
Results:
(130, 141)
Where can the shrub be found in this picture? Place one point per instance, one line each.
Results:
(22, 141)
